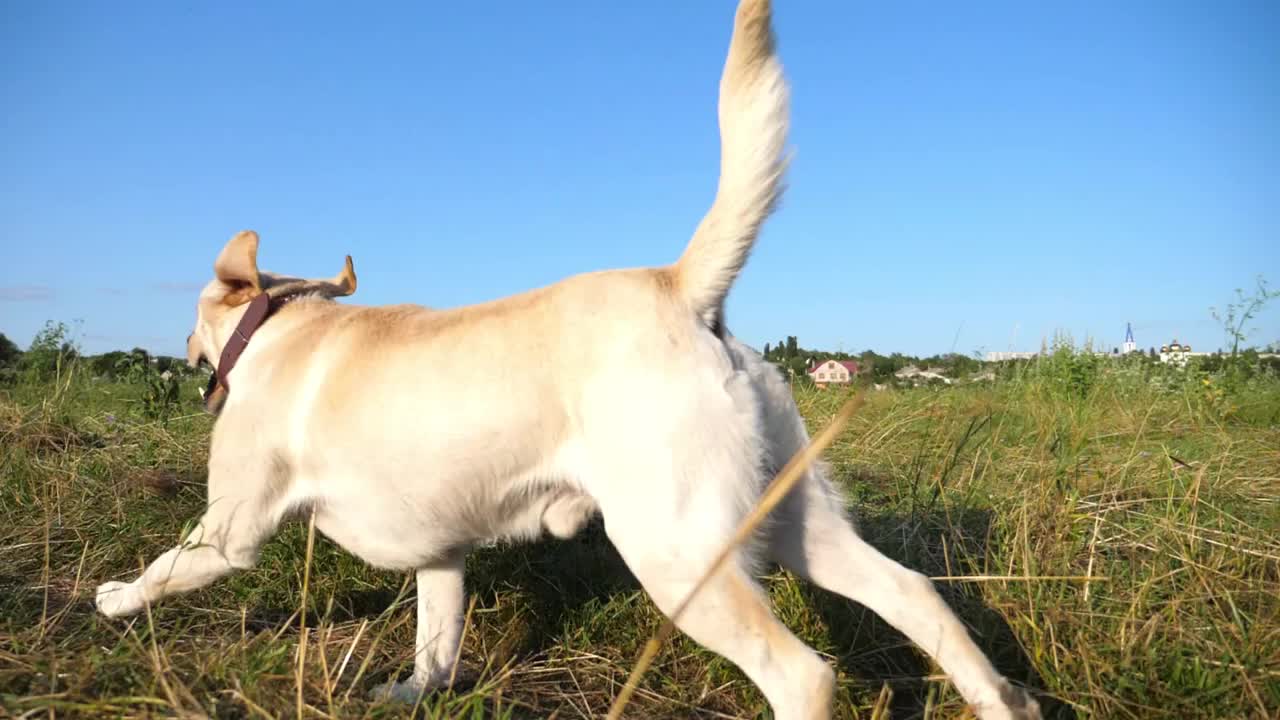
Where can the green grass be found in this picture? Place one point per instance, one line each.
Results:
(1162, 488)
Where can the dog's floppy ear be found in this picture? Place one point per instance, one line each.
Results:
(237, 265)
(340, 285)
(345, 281)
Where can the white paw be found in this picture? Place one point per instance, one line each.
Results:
(419, 685)
(116, 599)
(1014, 704)
(564, 517)
(409, 691)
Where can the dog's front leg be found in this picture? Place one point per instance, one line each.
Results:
(440, 616)
(227, 538)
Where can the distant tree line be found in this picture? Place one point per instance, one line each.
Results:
(873, 367)
(53, 351)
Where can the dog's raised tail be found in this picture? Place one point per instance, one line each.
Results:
(753, 116)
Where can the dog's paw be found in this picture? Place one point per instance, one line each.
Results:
(117, 599)
(1014, 704)
(565, 516)
(409, 691)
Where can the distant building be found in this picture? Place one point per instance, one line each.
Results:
(834, 371)
(997, 356)
(916, 375)
(1176, 353)
(1129, 345)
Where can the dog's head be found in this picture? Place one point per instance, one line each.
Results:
(237, 280)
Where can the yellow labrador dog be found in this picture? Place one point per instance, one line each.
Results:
(633, 401)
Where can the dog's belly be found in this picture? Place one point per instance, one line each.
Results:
(401, 496)
(401, 531)
(383, 537)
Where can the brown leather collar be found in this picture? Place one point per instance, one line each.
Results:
(260, 308)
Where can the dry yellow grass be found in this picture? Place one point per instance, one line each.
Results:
(1113, 548)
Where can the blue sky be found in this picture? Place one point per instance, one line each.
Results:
(968, 176)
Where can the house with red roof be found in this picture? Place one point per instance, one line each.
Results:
(834, 371)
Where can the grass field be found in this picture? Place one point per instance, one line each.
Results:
(1115, 529)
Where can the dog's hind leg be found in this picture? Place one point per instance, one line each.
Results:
(441, 600)
(822, 546)
(673, 497)
(811, 536)
(226, 538)
(731, 616)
